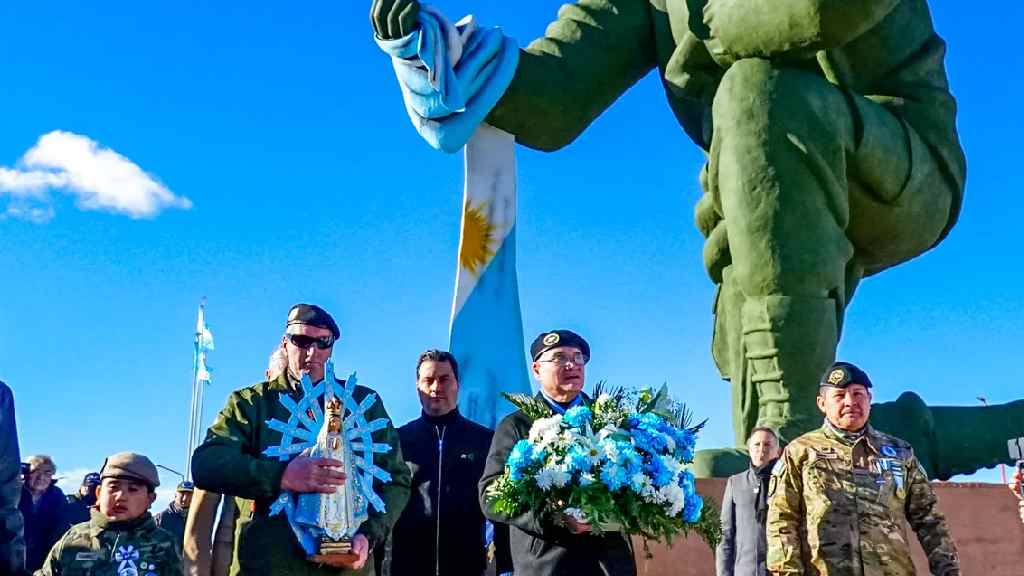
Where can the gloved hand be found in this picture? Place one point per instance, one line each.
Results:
(394, 19)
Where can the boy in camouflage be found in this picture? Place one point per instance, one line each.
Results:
(120, 538)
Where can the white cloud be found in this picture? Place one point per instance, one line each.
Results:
(99, 178)
(70, 480)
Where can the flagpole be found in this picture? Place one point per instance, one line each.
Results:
(193, 423)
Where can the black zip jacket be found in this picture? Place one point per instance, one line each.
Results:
(541, 547)
(446, 452)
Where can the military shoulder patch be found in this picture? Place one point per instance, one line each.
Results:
(889, 450)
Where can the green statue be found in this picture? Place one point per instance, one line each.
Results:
(832, 154)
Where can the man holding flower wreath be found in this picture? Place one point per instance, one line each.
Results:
(544, 544)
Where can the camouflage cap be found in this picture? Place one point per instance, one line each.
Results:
(547, 340)
(313, 315)
(842, 374)
(132, 466)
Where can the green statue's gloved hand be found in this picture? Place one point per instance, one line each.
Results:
(393, 19)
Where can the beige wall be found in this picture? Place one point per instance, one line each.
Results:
(982, 517)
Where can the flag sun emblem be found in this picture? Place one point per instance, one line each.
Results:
(476, 247)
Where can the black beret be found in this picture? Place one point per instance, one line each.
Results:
(547, 340)
(842, 374)
(313, 315)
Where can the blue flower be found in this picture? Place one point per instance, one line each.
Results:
(660, 475)
(578, 459)
(614, 477)
(577, 417)
(624, 455)
(687, 482)
(692, 509)
(652, 442)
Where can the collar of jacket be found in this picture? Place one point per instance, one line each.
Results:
(868, 434)
(98, 522)
(443, 420)
(580, 400)
(285, 383)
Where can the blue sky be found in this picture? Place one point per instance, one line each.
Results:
(282, 125)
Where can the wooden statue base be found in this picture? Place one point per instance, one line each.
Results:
(335, 560)
(336, 553)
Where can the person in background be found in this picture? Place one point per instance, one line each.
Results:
(442, 530)
(1016, 489)
(12, 531)
(173, 517)
(207, 548)
(742, 549)
(42, 506)
(78, 505)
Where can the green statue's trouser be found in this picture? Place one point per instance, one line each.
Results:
(807, 187)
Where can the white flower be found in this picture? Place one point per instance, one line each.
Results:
(672, 465)
(637, 482)
(586, 479)
(552, 476)
(651, 494)
(674, 497)
(545, 431)
(576, 513)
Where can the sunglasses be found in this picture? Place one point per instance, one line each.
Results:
(304, 342)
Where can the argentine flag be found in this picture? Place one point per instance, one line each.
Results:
(486, 326)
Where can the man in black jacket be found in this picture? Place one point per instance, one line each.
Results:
(42, 506)
(78, 504)
(441, 531)
(543, 545)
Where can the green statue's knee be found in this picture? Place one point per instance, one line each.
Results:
(778, 103)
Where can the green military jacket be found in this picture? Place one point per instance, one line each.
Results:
(101, 547)
(837, 508)
(884, 50)
(231, 461)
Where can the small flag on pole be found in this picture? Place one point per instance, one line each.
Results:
(202, 344)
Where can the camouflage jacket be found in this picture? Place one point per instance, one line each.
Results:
(231, 461)
(100, 547)
(836, 508)
(12, 527)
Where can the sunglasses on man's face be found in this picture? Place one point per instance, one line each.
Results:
(304, 342)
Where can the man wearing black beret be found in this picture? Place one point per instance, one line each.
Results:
(543, 545)
(231, 461)
(838, 496)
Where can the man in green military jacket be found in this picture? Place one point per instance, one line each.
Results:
(839, 495)
(832, 149)
(230, 461)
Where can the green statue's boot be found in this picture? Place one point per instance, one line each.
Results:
(787, 343)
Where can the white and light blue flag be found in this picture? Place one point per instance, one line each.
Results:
(486, 325)
(451, 76)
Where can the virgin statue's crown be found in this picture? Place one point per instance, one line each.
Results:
(333, 406)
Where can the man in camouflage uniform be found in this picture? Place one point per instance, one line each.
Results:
(120, 537)
(838, 495)
(12, 528)
(231, 460)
